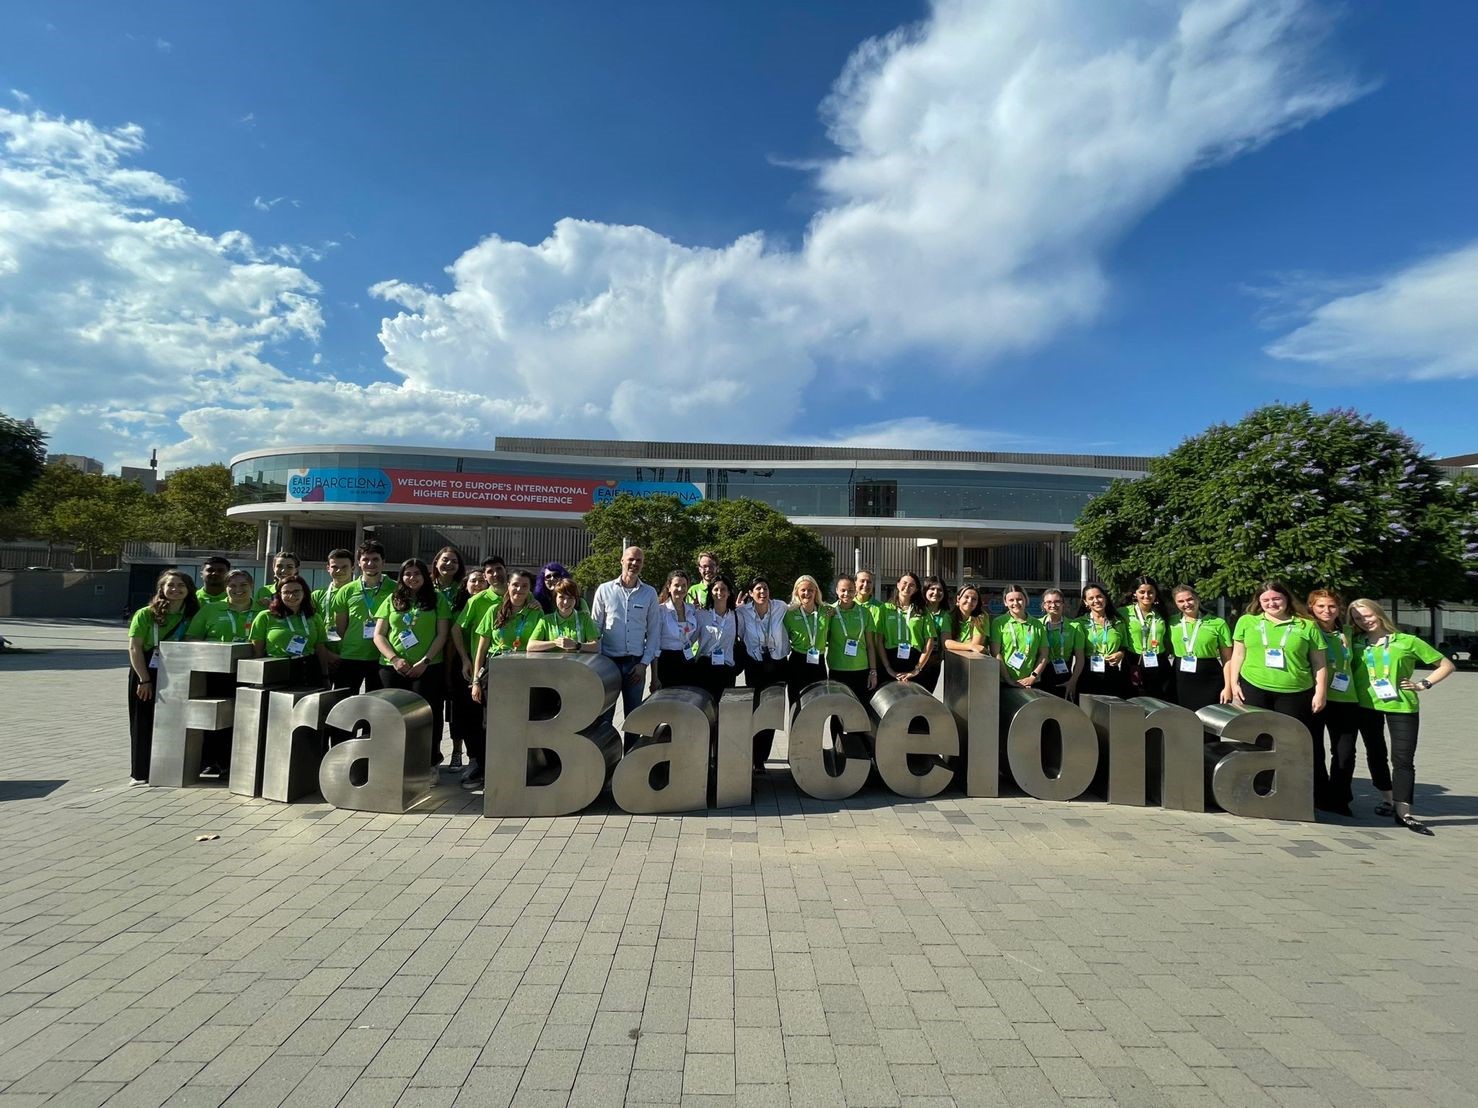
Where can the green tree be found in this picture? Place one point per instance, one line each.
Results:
(1313, 498)
(98, 513)
(22, 458)
(749, 537)
(194, 503)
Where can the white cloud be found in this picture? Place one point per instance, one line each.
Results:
(927, 433)
(1418, 323)
(985, 162)
(987, 159)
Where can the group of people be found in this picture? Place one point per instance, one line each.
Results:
(1343, 670)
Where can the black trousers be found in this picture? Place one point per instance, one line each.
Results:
(1202, 688)
(1299, 705)
(1335, 729)
(464, 713)
(856, 680)
(715, 679)
(801, 674)
(1399, 776)
(1111, 682)
(354, 672)
(676, 670)
(140, 729)
(430, 686)
(761, 673)
(1157, 681)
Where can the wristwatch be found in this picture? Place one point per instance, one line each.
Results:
(1424, 683)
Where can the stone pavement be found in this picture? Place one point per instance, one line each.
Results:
(875, 951)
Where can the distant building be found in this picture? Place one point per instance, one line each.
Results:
(142, 476)
(76, 461)
(1460, 461)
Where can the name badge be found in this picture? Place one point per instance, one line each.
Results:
(904, 650)
(1151, 661)
(369, 628)
(296, 645)
(813, 656)
(1385, 690)
(1340, 682)
(850, 648)
(1188, 664)
(1273, 658)
(1097, 664)
(717, 657)
(334, 636)
(154, 659)
(1059, 666)
(408, 639)
(1016, 660)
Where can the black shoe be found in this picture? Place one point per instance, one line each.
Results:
(1411, 823)
(473, 780)
(1385, 808)
(1335, 809)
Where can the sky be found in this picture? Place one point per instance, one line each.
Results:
(1042, 225)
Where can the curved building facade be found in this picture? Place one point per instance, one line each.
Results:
(526, 498)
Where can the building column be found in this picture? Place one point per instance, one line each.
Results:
(1057, 562)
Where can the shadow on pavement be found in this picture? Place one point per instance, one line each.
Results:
(28, 790)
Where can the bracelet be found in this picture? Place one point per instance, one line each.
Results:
(150, 681)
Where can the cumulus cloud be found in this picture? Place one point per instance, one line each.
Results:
(927, 433)
(984, 162)
(1416, 323)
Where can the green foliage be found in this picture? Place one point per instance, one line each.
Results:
(194, 503)
(750, 538)
(97, 512)
(1327, 498)
(22, 458)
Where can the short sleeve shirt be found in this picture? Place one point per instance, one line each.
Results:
(415, 622)
(1337, 652)
(1147, 633)
(1012, 637)
(1297, 639)
(1105, 640)
(360, 605)
(281, 635)
(552, 627)
(142, 626)
(848, 625)
(221, 623)
(1395, 659)
(515, 634)
(1063, 641)
(1200, 638)
(896, 624)
(807, 631)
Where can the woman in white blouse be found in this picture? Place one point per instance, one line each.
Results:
(675, 664)
(718, 665)
(766, 651)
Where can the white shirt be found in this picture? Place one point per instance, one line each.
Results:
(679, 634)
(719, 633)
(764, 633)
(629, 620)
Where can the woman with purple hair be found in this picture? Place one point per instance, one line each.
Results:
(549, 576)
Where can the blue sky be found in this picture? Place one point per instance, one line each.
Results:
(1050, 225)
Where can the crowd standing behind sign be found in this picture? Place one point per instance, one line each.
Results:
(1341, 669)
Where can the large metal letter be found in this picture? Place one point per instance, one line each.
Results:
(295, 740)
(827, 774)
(1028, 749)
(972, 691)
(897, 705)
(1259, 744)
(1150, 751)
(389, 770)
(182, 710)
(741, 715)
(688, 718)
(586, 747)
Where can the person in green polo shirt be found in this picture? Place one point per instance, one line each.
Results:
(1065, 657)
(166, 616)
(231, 621)
(1384, 676)
(213, 572)
(1019, 641)
(506, 629)
(807, 623)
(1148, 662)
(289, 628)
(1202, 646)
(567, 628)
(481, 607)
(1278, 659)
(285, 564)
(1105, 643)
(905, 633)
(969, 631)
(851, 654)
(340, 567)
(410, 633)
(352, 616)
(1339, 722)
(709, 570)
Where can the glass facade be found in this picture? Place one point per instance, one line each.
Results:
(864, 491)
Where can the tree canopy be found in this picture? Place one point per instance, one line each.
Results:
(22, 458)
(194, 502)
(1313, 498)
(750, 538)
(99, 513)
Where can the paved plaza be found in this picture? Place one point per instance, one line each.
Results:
(875, 951)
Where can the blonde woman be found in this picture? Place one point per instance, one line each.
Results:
(1389, 691)
(807, 624)
(166, 616)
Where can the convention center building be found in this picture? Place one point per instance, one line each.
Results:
(983, 517)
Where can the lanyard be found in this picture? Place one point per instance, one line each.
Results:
(1055, 647)
(1016, 627)
(900, 626)
(1385, 670)
(523, 619)
(1335, 641)
(302, 622)
(1098, 638)
(231, 615)
(812, 629)
(1262, 626)
(561, 626)
(1148, 629)
(175, 635)
(1188, 638)
(371, 599)
(847, 631)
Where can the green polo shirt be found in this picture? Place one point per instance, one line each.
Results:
(142, 626)
(514, 636)
(278, 634)
(1338, 654)
(1395, 659)
(221, 623)
(1199, 638)
(849, 625)
(1102, 640)
(896, 625)
(360, 606)
(874, 609)
(1063, 642)
(698, 594)
(806, 631)
(205, 598)
(552, 627)
(417, 621)
(478, 607)
(1009, 636)
(964, 628)
(1298, 638)
(1147, 636)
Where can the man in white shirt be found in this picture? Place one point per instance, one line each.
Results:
(629, 617)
